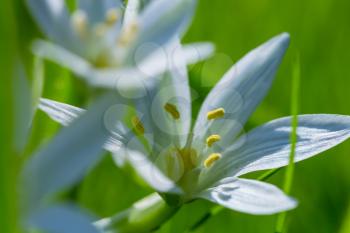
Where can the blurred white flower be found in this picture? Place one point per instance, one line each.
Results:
(110, 45)
(59, 165)
(206, 162)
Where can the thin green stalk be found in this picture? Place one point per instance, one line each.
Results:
(8, 167)
(280, 224)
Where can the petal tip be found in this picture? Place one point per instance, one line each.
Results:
(284, 39)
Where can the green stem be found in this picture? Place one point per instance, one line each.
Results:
(144, 216)
(280, 224)
(8, 157)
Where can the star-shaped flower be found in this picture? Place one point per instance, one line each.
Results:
(207, 161)
(113, 46)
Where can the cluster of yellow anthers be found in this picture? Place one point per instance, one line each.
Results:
(212, 158)
(128, 34)
(175, 114)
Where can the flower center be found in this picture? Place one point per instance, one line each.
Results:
(175, 163)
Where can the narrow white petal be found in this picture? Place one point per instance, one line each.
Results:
(62, 56)
(173, 89)
(131, 11)
(196, 52)
(174, 56)
(65, 114)
(240, 90)
(249, 196)
(61, 219)
(60, 112)
(96, 9)
(268, 146)
(54, 20)
(161, 21)
(68, 156)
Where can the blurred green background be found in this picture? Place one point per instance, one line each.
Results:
(320, 33)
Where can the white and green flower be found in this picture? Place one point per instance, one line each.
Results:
(113, 46)
(207, 161)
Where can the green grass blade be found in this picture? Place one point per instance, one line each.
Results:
(280, 224)
(8, 167)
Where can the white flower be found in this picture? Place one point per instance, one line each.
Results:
(113, 47)
(206, 162)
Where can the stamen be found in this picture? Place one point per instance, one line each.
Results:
(112, 16)
(172, 110)
(212, 159)
(137, 125)
(129, 33)
(101, 30)
(79, 22)
(171, 163)
(189, 157)
(212, 139)
(216, 113)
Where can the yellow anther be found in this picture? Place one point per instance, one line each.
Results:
(212, 139)
(137, 125)
(112, 16)
(79, 22)
(212, 159)
(216, 113)
(172, 110)
(129, 33)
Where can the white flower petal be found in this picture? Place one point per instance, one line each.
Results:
(96, 9)
(131, 11)
(249, 196)
(120, 139)
(174, 56)
(268, 146)
(53, 18)
(173, 89)
(62, 56)
(60, 112)
(61, 219)
(240, 91)
(196, 52)
(65, 114)
(68, 156)
(161, 21)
